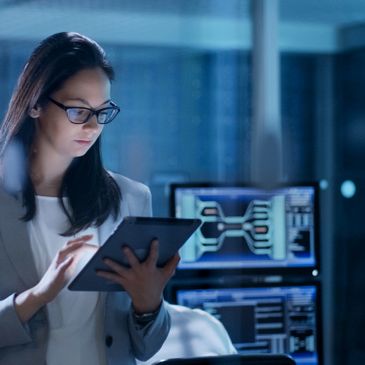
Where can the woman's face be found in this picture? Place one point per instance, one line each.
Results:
(55, 133)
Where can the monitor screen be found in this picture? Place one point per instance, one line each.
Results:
(280, 319)
(247, 227)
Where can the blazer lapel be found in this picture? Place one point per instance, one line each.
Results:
(15, 239)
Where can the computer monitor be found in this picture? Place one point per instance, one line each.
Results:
(249, 227)
(266, 319)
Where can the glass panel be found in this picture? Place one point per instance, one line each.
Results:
(182, 80)
(322, 45)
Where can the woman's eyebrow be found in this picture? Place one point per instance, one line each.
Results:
(86, 102)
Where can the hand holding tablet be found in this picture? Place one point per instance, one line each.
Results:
(136, 233)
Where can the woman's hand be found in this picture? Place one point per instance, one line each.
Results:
(143, 281)
(58, 273)
(61, 269)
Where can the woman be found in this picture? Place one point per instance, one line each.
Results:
(68, 204)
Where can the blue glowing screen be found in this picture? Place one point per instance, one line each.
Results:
(248, 227)
(272, 320)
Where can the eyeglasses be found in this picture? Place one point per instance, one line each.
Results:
(80, 115)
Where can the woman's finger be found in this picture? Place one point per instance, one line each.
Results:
(120, 270)
(65, 264)
(153, 254)
(109, 276)
(131, 257)
(67, 250)
(84, 238)
(71, 247)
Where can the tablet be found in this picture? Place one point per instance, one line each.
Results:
(137, 233)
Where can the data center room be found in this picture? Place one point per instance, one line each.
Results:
(249, 115)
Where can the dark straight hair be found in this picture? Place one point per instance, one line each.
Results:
(92, 193)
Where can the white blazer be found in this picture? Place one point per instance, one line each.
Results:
(27, 344)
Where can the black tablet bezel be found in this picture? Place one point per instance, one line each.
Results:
(159, 223)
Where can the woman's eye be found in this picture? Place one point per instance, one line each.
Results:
(103, 116)
(79, 113)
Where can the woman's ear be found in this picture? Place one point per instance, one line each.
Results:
(35, 111)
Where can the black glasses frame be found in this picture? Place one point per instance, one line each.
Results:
(92, 111)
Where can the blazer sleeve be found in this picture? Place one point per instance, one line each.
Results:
(13, 332)
(147, 339)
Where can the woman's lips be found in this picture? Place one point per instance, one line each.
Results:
(83, 142)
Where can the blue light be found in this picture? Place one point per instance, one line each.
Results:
(348, 189)
(323, 184)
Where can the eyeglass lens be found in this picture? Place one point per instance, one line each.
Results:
(82, 115)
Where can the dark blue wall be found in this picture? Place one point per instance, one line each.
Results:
(350, 227)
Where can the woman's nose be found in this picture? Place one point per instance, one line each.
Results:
(92, 123)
